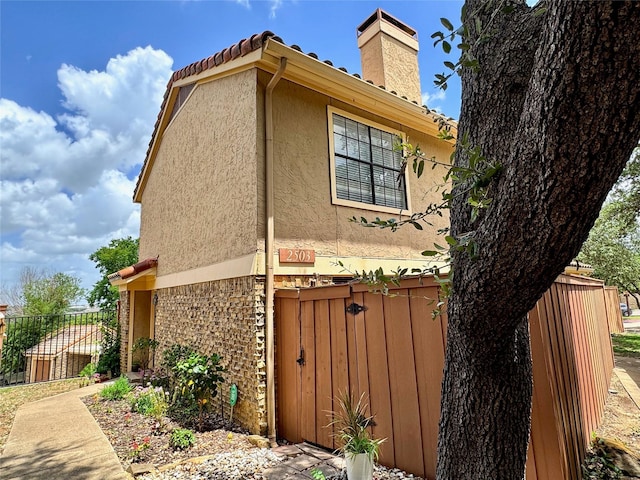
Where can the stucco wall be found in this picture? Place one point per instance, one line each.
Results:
(199, 205)
(304, 214)
(224, 317)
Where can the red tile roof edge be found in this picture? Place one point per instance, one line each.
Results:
(240, 49)
(133, 269)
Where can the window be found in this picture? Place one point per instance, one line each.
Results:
(366, 169)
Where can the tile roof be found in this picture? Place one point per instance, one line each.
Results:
(133, 269)
(240, 49)
(80, 339)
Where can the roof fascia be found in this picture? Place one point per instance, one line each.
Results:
(317, 75)
(127, 281)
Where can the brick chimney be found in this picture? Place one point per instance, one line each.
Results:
(389, 54)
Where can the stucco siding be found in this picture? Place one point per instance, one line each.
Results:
(304, 214)
(199, 206)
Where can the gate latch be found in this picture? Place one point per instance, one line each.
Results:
(300, 360)
(355, 309)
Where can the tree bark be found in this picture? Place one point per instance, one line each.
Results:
(556, 101)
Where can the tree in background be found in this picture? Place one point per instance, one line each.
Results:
(613, 249)
(120, 253)
(43, 293)
(626, 192)
(39, 294)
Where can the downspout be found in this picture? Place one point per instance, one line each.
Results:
(268, 252)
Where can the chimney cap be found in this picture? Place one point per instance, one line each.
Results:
(380, 14)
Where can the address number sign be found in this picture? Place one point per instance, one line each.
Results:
(297, 255)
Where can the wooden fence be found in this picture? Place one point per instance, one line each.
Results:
(330, 339)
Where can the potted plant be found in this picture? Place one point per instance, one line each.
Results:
(352, 429)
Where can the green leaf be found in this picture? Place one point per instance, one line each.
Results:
(430, 253)
(446, 24)
(451, 241)
(446, 46)
(420, 168)
(449, 65)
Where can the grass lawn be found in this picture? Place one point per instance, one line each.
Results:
(12, 397)
(626, 344)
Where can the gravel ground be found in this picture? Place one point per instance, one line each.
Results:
(221, 452)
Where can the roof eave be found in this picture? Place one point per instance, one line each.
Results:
(311, 73)
(319, 76)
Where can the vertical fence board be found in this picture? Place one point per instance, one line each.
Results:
(324, 394)
(308, 403)
(339, 354)
(403, 387)
(379, 385)
(428, 347)
(288, 380)
(549, 456)
(361, 353)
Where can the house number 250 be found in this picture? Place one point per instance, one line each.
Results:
(297, 255)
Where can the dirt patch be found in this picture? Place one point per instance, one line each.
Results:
(141, 439)
(621, 418)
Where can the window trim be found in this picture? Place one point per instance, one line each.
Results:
(332, 157)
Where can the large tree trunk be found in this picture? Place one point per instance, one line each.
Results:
(557, 102)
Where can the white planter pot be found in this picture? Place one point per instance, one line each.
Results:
(359, 466)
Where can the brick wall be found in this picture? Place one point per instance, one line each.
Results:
(123, 316)
(224, 317)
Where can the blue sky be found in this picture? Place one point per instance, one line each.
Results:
(80, 88)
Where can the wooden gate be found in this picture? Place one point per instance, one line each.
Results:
(392, 350)
(330, 339)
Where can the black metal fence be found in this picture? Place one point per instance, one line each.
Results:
(54, 347)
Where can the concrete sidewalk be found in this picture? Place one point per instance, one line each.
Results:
(57, 438)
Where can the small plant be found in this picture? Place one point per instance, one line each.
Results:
(598, 464)
(143, 350)
(151, 402)
(117, 390)
(88, 371)
(317, 474)
(199, 376)
(138, 448)
(351, 427)
(181, 439)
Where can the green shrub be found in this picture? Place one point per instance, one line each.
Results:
(181, 439)
(88, 370)
(151, 402)
(110, 357)
(200, 375)
(170, 358)
(117, 390)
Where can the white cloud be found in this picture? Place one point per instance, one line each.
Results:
(431, 99)
(244, 3)
(64, 190)
(275, 5)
